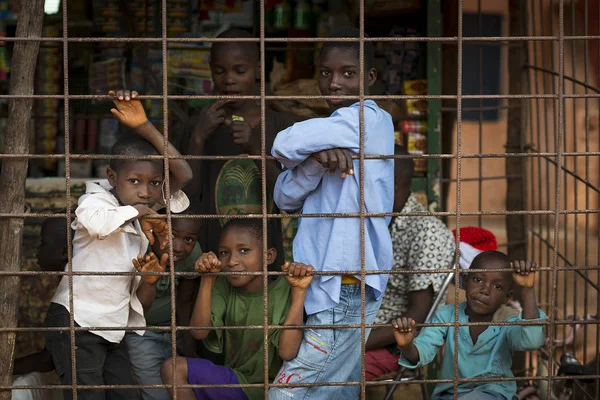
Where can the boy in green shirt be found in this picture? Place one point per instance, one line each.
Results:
(237, 300)
(148, 352)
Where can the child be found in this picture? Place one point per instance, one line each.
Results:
(234, 186)
(309, 150)
(237, 300)
(483, 351)
(148, 352)
(108, 235)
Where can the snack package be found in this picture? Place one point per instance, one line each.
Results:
(416, 106)
(416, 144)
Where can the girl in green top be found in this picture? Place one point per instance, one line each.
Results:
(237, 300)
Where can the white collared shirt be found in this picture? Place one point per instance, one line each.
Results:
(103, 242)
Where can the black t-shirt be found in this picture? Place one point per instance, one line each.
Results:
(234, 186)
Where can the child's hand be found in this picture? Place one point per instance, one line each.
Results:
(211, 118)
(158, 227)
(208, 262)
(129, 111)
(523, 273)
(404, 331)
(150, 263)
(298, 275)
(242, 134)
(334, 159)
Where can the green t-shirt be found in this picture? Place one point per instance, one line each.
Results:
(243, 348)
(159, 313)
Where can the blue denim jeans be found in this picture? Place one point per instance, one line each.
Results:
(147, 353)
(329, 355)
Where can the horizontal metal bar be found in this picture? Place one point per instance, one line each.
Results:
(344, 215)
(274, 327)
(279, 273)
(75, 156)
(297, 97)
(301, 39)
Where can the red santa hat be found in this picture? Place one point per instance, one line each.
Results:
(473, 241)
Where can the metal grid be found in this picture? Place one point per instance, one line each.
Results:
(545, 220)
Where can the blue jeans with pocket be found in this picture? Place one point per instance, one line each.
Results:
(147, 353)
(329, 355)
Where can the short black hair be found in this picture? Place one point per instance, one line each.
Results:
(131, 145)
(369, 49)
(254, 226)
(493, 255)
(251, 48)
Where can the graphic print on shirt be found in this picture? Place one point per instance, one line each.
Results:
(238, 189)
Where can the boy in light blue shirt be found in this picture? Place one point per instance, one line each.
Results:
(311, 152)
(483, 351)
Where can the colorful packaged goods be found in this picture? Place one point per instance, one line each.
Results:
(413, 126)
(416, 107)
(416, 144)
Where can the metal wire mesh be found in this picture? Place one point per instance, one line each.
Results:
(560, 162)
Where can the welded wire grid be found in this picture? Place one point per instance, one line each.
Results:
(567, 240)
(544, 150)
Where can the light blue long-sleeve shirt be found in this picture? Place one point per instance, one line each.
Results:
(333, 244)
(490, 357)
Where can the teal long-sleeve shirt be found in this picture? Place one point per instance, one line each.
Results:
(490, 357)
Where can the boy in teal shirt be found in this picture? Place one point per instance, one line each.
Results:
(483, 351)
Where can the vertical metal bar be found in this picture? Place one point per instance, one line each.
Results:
(65, 27)
(480, 119)
(575, 183)
(165, 101)
(361, 172)
(561, 72)
(587, 174)
(537, 113)
(434, 87)
(514, 166)
(458, 183)
(546, 148)
(263, 174)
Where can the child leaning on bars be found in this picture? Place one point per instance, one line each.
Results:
(483, 351)
(237, 300)
(110, 231)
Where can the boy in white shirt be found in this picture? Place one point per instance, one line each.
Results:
(109, 234)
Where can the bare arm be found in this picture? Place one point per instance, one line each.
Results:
(404, 333)
(196, 148)
(146, 294)
(290, 339)
(180, 170)
(201, 315)
(420, 302)
(130, 112)
(524, 277)
(299, 277)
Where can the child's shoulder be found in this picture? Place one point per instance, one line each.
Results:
(446, 312)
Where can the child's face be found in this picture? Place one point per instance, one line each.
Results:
(185, 236)
(241, 251)
(487, 291)
(52, 253)
(339, 75)
(234, 70)
(137, 183)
